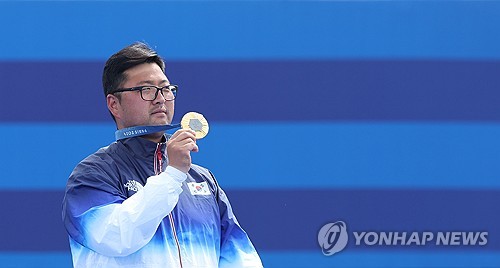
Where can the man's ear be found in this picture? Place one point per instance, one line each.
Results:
(113, 105)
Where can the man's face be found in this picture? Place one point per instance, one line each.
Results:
(132, 110)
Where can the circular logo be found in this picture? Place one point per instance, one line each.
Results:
(332, 237)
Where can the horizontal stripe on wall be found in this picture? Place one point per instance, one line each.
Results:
(281, 155)
(296, 216)
(252, 29)
(393, 259)
(269, 90)
(56, 259)
(290, 219)
(301, 259)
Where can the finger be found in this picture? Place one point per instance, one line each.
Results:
(183, 140)
(181, 131)
(176, 133)
(186, 143)
(190, 131)
(191, 135)
(184, 134)
(182, 144)
(188, 135)
(191, 147)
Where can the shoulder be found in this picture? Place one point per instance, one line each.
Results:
(102, 163)
(200, 169)
(197, 171)
(101, 170)
(102, 157)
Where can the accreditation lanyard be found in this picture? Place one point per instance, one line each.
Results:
(142, 130)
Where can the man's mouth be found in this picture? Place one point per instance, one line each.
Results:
(159, 112)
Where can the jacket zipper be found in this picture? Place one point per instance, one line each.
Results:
(158, 169)
(171, 218)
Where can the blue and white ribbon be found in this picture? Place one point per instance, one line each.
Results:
(142, 130)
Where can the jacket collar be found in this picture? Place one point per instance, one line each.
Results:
(143, 148)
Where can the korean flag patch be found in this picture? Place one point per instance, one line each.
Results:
(200, 188)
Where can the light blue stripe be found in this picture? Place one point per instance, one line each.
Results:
(301, 259)
(282, 155)
(38, 156)
(397, 259)
(197, 30)
(354, 155)
(36, 259)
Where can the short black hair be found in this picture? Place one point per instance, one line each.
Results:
(130, 56)
(135, 54)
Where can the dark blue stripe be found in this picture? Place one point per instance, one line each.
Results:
(288, 219)
(252, 29)
(32, 221)
(269, 90)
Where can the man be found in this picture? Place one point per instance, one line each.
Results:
(132, 203)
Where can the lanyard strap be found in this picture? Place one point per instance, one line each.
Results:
(142, 130)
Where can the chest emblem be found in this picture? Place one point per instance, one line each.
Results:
(199, 188)
(132, 185)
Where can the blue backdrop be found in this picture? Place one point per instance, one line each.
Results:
(382, 114)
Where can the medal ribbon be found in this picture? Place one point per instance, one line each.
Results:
(142, 130)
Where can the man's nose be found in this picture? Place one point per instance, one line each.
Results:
(159, 97)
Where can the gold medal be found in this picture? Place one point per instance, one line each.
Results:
(196, 122)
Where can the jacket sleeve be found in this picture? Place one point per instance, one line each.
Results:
(236, 248)
(100, 218)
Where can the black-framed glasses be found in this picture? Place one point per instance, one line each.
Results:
(149, 93)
